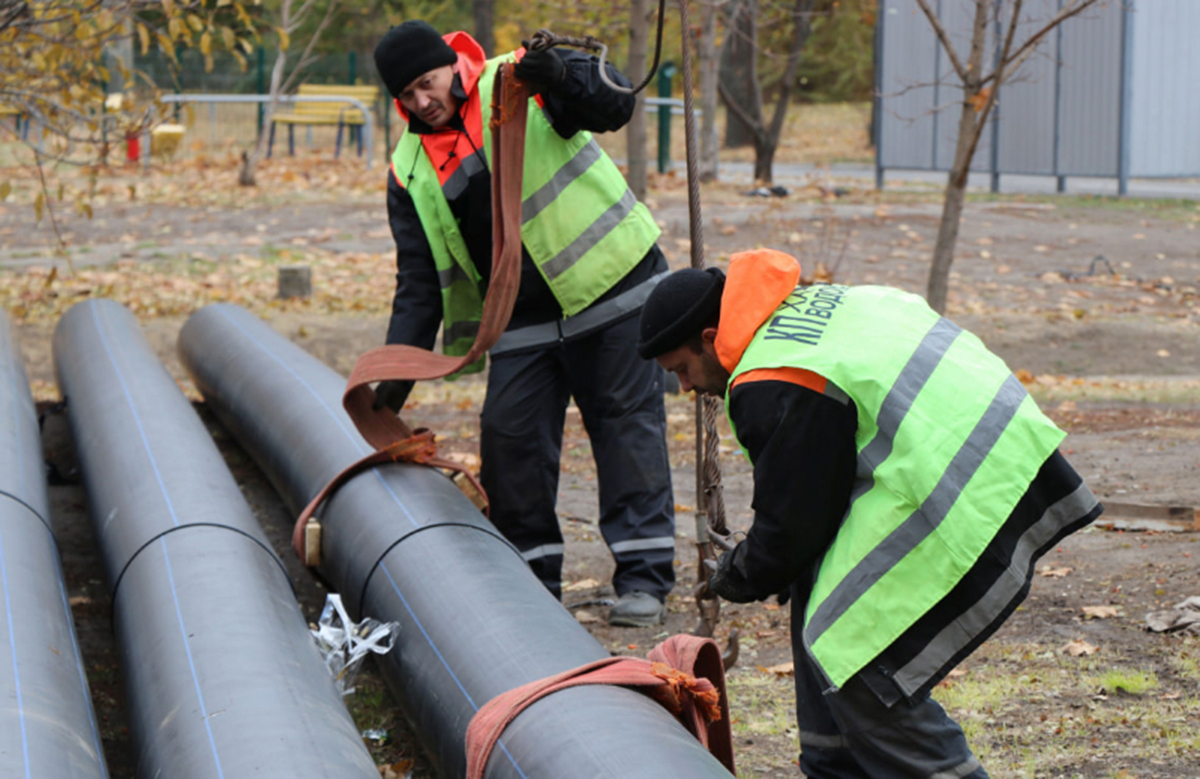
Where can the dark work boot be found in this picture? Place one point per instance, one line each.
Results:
(637, 609)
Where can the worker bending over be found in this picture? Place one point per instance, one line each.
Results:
(905, 484)
(589, 259)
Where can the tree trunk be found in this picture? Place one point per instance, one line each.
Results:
(738, 71)
(768, 140)
(484, 13)
(707, 54)
(247, 176)
(635, 131)
(970, 125)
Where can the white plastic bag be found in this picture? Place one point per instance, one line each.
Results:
(344, 644)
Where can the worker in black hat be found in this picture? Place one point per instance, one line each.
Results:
(589, 259)
(905, 484)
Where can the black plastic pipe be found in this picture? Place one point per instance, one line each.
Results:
(401, 543)
(47, 725)
(223, 679)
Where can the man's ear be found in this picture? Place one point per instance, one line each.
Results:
(708, 336)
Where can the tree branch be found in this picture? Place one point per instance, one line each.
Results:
(801, 15)
(1009, 65)
(305, 60)
(940, 31)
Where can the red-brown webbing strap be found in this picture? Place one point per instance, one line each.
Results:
(384, 430)
(683, 673)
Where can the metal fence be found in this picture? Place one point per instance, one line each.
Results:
(1109, 93)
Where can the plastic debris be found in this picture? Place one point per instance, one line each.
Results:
(378, 735)
(1185, 616)
(344, 644)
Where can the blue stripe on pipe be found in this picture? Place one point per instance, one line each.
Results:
(446, 665)
(183, 634)
(12, 637)
(400, 503)
(12, 642)
(171, 508)
(356, 440)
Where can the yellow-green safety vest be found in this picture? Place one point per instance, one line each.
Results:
(580, 222)
(948, 441)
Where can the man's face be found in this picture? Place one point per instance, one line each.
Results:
(428, 97)
(698, 370)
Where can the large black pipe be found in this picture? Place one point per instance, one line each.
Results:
(402, 543)
(223, 679)
(47, 725)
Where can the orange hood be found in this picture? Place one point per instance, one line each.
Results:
(756, 284)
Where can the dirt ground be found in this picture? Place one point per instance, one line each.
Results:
(1093, 304)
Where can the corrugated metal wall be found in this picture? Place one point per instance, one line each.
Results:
(1165, 110)
(1062, 114)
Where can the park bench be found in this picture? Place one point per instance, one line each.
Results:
(342, 114)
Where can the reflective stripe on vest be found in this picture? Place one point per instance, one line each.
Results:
(948, 441)
(580, 223)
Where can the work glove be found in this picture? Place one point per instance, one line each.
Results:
(726, 583)
(391, 393)
(542, 69)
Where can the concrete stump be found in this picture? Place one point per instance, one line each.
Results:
(295, 281)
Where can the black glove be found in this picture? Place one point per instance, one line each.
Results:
(543, 69)
(727, 583)
(392, 394)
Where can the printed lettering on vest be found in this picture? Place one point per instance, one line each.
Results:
(813, 307)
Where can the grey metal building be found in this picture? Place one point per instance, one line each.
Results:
(1113, 92)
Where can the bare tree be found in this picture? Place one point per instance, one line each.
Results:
(766, 137)
(980, 90)
(291, 19)
(635, 131)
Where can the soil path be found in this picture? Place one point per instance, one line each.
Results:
(1097, 304)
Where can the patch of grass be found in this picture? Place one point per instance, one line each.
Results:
(761, 703)
(1165, 389)
(1130, 681)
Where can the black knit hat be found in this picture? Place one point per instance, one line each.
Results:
(408, 51)
(679, 307)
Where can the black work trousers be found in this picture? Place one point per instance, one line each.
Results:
(620, 398)
(852, 734)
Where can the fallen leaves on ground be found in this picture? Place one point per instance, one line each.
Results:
(783, 669)
(347, 282)
(401, 769)
(582, 584)
(1100, 612)
(1055, 571)
(1078, 648)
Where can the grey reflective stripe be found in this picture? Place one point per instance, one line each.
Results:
(642, 544)
(834, 392)
(457, 183)
(908, 385)
(586, 321)
(922, 522)
(594, 234)
(959, 771)
(545, 550)
(562, 178)
(460, 330)
(819, 741)
(958, 634)
(456, 273)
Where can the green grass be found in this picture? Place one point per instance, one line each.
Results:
(1128, 681)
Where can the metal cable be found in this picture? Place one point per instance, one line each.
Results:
(544, 39)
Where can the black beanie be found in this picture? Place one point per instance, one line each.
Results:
(408, 51)
(679, 308)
